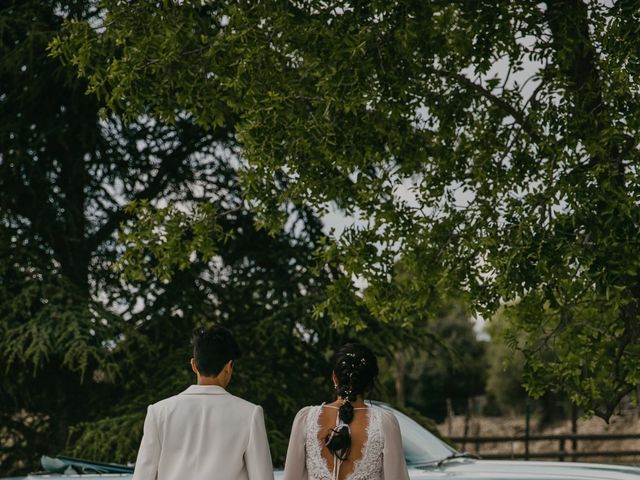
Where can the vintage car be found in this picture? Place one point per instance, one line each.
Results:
(428, 458)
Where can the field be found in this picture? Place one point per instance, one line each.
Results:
(514, 426)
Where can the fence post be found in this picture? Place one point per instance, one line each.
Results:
(449, 416)
(574, 431)
(527, 428)
(467, 419)
(561, 458)
(477, 435)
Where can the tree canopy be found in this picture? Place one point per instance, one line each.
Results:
(83, 349)
(493, 146)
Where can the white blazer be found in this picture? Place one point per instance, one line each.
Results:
(204, 433)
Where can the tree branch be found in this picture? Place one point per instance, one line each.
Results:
(520, 116)
(156, 186)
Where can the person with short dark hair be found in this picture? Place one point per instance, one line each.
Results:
(205, 433)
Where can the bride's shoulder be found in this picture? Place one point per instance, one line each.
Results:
(387, 417)
(305, 417)
(304, 412)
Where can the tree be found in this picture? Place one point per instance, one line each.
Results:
(63, 176)
(452, 368)
(444, 361)
(84, 350)
(505, 375)
(492, 147)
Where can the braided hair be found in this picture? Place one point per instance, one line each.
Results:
(355, 368)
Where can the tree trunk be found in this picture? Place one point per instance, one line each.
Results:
(400, 372)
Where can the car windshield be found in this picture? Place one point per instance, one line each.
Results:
(420, 445)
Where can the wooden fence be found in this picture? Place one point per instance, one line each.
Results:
(567, 446)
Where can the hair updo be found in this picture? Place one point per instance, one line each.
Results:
(356, 368)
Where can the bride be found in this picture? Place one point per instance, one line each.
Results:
(347, 439)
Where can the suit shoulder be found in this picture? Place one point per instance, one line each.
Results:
(165, 402)
(243, 404)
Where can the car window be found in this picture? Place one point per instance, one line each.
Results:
(420, 445)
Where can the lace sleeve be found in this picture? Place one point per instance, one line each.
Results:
(394, 464)
(295, 467)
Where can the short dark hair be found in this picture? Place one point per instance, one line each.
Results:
(213, 348)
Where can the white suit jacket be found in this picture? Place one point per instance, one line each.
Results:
(204, 433)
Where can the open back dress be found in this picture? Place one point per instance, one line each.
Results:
(376, 452)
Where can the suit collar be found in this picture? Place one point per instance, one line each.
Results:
(204, 390)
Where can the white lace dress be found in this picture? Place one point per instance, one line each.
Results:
(382, 454)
